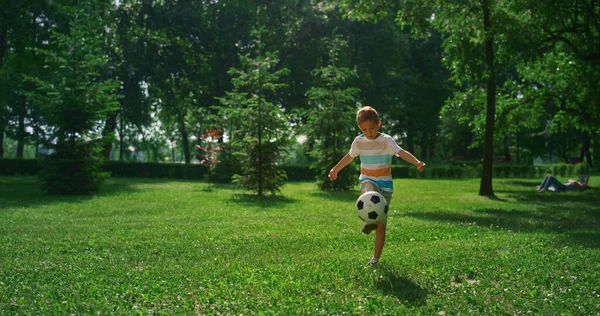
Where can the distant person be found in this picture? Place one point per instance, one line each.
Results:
(550, 183)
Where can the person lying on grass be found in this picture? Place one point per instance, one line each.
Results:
(550, 183)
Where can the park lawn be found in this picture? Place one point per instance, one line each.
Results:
(159, 246)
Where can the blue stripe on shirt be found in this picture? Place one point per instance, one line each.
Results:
(382, 184)
(375, 159)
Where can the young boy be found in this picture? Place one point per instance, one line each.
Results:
(375, 150)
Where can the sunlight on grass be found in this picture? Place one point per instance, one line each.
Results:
(158, 246)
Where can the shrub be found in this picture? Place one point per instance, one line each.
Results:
(155, 170)
(223, 171)
(300, 173)
(73, 169)
(18, 167)
(400, 171)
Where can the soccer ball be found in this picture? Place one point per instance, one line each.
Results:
(371, 207)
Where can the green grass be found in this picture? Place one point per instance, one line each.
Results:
(157, 246)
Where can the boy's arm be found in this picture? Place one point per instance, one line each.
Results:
(333, 173)
(408, 157)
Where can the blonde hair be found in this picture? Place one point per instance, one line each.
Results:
(367, 113)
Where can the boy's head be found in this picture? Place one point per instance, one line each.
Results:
(368, 122)
(367, 113)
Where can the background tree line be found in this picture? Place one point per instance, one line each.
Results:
(471, 80)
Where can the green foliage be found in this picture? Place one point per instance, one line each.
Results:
(569, 36)
(260, 135)
(74, 98)
(72, 95)
(262, 170)
(557, 87)
(73, 169)
(331, 123)
(227, 167)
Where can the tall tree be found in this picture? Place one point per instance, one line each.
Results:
(331, 123)
(23, 27)
(262, 134)
(130, 41)
(568, 37)
(180, 79)
(74, 97)
(474, 31)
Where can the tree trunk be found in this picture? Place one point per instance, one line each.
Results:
(259, 123)
(585, 149)
(517, 148)
(3, 32)
(2, 127)
(563, 152)
(596, 148)
(184, 139)
(21, 135)
(424, 144)
(121, 129)
(485, 187)
(410, 144)
(109, 129)
(507, 148)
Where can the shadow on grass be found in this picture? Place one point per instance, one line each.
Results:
(403, 288)
(344, 196)
(588, 199)
(265, 201)
(25, 192)
(579, 226)
(524, 183)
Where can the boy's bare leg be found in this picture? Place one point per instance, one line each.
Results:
(379, 240)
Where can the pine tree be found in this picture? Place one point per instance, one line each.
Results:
(74, 97)
(331, 120)
(261, 133)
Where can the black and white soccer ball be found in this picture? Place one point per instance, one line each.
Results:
(372, 207)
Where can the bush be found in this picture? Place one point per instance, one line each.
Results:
(18, 167)
(261, 170)
(399, 171)
(73, 169)
(155, 170)
(223, 171)
(300, 173)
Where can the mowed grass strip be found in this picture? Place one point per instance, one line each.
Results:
(159, 246)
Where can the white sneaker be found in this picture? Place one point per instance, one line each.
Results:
(373, 262)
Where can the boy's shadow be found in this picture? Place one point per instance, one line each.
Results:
(403, 288)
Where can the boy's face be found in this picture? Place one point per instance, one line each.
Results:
(370, 129)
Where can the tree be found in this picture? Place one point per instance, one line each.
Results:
(74, 97)
(261, 133)
(208, 149)
(23, 26)
(567, 35)
(558, 88)
(481, 38)
(331, 121)
(130, 40)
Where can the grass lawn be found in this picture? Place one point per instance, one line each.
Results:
(176, 247)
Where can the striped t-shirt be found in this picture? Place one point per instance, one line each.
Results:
(376, 159)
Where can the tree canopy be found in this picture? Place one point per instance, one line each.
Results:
(469, 80)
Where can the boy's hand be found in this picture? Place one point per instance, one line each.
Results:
(332, 174)
(421, 166)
